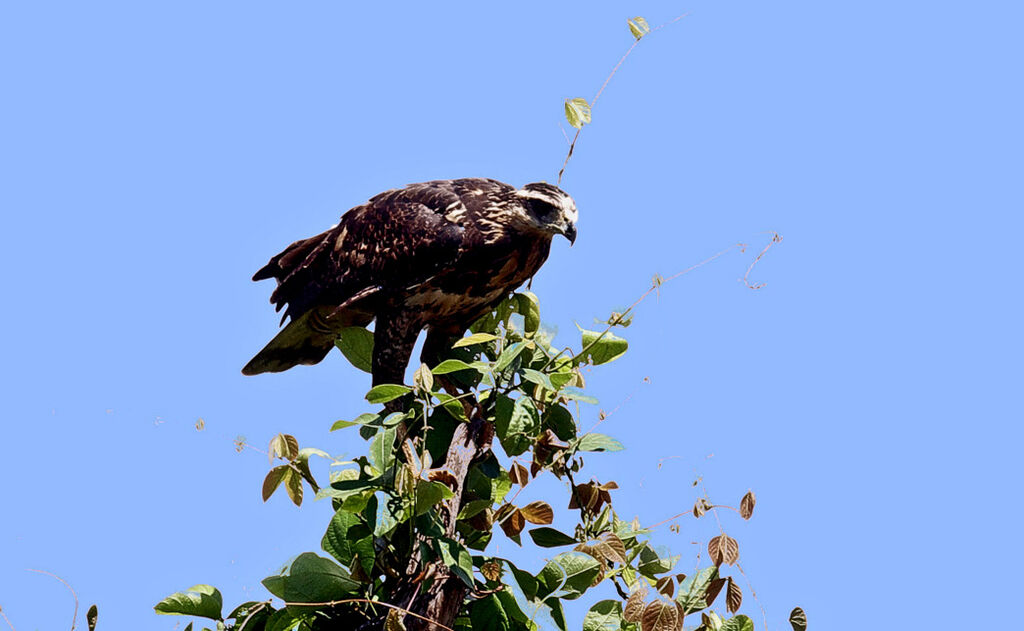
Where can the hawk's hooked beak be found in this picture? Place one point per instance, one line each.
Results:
(570, 233)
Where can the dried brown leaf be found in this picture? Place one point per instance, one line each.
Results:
(443, 476)
(285, 446)
(798, 619)
(612, 547)
(733, 596)
(747, 505)
(394, 621)
(681, 611)
(423, 379)
(293, 484)
(483, 521)
(587, 496)
(519, 475)
(539, 513)
(711, 593)
(491, 570)
(635, 605)
(273, 479)
(698, 509)
(723, 549)
(514, 523)
(665, 586)
(660, 616)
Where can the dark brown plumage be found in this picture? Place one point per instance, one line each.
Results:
(435, 256)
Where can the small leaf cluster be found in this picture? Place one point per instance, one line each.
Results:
(406, 514)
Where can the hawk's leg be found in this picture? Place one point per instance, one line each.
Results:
(393, 338)
(438, 344)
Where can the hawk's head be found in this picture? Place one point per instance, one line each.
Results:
(550, 209)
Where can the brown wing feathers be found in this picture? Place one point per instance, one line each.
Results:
(424, 240)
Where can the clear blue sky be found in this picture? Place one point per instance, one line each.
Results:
(154, 155)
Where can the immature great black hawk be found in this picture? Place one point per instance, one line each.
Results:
(435, 256)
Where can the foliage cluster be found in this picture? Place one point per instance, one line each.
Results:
(448, 457)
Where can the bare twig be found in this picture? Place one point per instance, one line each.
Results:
(74, 618)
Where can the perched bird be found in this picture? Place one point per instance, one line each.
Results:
(435, 256)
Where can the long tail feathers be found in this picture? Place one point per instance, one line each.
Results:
(297, 343)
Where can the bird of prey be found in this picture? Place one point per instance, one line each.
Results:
(435, 256)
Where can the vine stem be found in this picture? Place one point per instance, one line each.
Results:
(6, 619)
(593, 102)
(753, 592)
(654, 287)
(74, 617)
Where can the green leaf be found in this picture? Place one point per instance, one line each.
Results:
(572, 572)
(252, 614)
(528, 305)
(362, 419)
(692, 590)
(453, 406)
(382, 450)
(575, 394)
(386, 392)
(638, 27)
(457, 558)
(560, 420)
(508, 355)
(539, 378)
(451, 365)
(289, 619)
(557, 612)
(601, 348)
(651, 564)
(309, 578)
(488, 614)
(346, 537)
(550, 538)
(91, 616)
(515, 613)
(605, 615)
(525, 580)
(598, 442)
(356, 344)
(199, 600)
(577, 112)
(476, 338)
(473, 507)
(738, 623)
(429, 494)
(517, 432)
